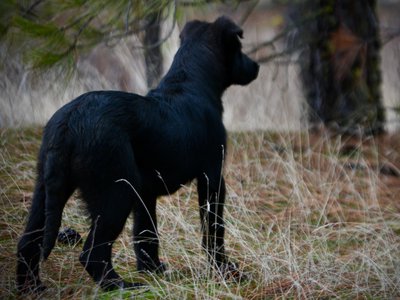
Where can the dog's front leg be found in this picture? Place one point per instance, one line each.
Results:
(211, 193)
(211, 201)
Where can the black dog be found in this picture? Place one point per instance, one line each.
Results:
(123, 150)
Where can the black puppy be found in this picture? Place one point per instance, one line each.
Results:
(122, 151)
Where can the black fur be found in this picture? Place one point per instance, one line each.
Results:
(154, 143)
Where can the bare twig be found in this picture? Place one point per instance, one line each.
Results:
(284, 33)
(248, 12)
(391, 36)
(29, 11)
(269, 43)
(275, 55)
(161, 41)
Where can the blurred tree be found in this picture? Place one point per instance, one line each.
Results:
(50, 33)
(153, 56)
(340, 66)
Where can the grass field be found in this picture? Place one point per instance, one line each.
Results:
(307, 216)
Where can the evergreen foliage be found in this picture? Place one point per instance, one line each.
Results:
(53, 32)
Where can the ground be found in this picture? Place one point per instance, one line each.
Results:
(308, 215)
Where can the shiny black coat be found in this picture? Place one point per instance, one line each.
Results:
(123, 150)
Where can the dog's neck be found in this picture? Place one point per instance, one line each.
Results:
(199, 74)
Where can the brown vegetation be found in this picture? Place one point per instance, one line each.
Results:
(307, 216)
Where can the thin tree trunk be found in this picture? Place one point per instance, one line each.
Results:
(153, 56)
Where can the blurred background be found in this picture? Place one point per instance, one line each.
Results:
(331, 63)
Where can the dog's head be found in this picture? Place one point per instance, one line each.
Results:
(222, 37)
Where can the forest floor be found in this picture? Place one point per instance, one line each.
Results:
(308, 215)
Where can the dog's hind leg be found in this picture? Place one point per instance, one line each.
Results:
(145, 234)
(29, 246)
(109, 207)
(59, 188)
(52, 191)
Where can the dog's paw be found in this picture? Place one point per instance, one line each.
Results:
(230, 271)
(116, 284)
(28, 288)
(69, 236)
(159, 268)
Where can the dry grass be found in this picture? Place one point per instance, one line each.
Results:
(307, 216)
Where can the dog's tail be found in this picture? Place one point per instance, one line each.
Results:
(58, 190)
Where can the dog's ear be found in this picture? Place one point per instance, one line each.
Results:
(228, 31)
(190, 29)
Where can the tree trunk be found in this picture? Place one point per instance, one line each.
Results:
(153, 56)
(341, 67)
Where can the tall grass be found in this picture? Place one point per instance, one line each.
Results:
(304, 219)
